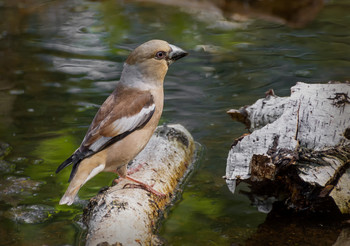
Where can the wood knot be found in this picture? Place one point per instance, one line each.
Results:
(173, 134)
(340, 99)
(347, 133)
(270, 93)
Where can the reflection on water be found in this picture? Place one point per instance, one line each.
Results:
(283, 227)
(295, 14)
(59, 60)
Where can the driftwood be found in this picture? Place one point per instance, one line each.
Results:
(125, 214)
(298, 143)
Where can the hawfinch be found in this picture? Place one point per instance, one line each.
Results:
(126, 120)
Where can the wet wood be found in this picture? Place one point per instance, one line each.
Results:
(125, 214)
(301, 141)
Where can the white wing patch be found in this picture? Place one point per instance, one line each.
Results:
(125, 124)
(99, 143)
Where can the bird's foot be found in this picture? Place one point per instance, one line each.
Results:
(140, 183)
(146, 187)
(116, 181)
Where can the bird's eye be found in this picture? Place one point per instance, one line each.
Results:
(160, 55)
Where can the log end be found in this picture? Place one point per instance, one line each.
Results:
(240, 115)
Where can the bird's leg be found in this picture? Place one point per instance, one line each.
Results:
(123, 174)
(123, 171)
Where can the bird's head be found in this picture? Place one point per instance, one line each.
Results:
(149, 62)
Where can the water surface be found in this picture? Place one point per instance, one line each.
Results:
(60, 60)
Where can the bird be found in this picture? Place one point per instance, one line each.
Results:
(126, 120)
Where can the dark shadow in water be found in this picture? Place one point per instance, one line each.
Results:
(286, 226)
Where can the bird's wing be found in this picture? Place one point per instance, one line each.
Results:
(124, 111)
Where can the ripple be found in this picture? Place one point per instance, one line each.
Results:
(90, 69)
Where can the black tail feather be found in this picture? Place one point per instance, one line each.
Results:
(76, 162)
(74, 159)
(65, 164)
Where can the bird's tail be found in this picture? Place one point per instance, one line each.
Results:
(70, 194)
(74, 186)
(89, 169)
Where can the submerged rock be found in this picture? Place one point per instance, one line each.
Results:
(6, 167)
(20, 160)
(30, 214)
(14, 189)
(5, 149)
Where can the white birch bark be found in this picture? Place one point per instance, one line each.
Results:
(316, 117)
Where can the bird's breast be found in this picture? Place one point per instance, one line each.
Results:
(123, 151)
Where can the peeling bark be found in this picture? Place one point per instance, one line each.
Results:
(125, 214)
(301, 141)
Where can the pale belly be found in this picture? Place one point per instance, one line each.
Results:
(122, 152)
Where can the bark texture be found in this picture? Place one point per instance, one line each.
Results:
(300, 142)
(125, 214)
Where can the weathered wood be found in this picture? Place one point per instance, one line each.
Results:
(302, 139)
(261, 113)
(125, 214)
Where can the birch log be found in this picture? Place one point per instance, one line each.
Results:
(125, 214)
(300, 142)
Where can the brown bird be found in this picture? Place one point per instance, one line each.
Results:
(126, 120)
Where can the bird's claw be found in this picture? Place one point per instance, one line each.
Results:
(147, 187)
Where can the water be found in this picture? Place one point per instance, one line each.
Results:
(59, 60)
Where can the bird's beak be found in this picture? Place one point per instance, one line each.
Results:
(176, 53)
